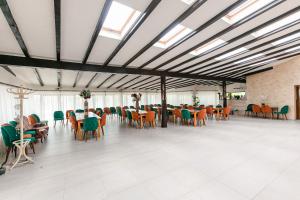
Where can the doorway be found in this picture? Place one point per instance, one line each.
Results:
(297, 96)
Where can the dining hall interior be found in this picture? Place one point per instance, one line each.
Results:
(152, 99)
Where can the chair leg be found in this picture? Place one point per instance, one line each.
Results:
(32, 147)
(54, 123)
(7, 154)
(285, 116)
(102, 130)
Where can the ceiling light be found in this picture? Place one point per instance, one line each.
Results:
(245, 10)
(231, 53)
(118, 20)
(189, 2)
(208, 46)
(249, 58)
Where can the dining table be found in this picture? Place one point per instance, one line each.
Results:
(80, 119)
(194, 114)
(142, 113)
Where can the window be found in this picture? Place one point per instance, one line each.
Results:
(249, 58)
(231, 53)
(244, 10)
(189, 2)
(287, 20)
(118, 20)
(292, 49)
(173, 36)
(208, 46)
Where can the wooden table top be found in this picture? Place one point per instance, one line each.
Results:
(140, 111)
(80, 116)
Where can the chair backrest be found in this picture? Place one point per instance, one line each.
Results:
(219, 106)
(226, 110)
(112, 110)
(123, 113)
(92, 110)
(142, 107)
(128, 114)
(68, 113)
(209, 110)
(284, 109)
(58, 115)
(119, 111)
(79, 111)
(13, 123)
(107, 110)
(185, 114)
(202, 114)
(11, 132)
(132, 107)
(135, 115)
(73, 122)
(31, 120)
(266, 109)
(90, 124)
(125, 107)
(191, 107)
(249, 107)
(177, 113)
(103, 120)
(150, 116)
(256, 108)
(72, 113)
(37, 118)
(5, 137)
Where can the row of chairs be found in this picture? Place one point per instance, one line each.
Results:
(266, 111)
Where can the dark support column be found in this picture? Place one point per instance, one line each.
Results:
(164, 118)
(224, 94)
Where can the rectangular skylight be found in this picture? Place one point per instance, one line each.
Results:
(208, 46)
(264, 62)
(118, 20)
(245, 10)
(173, 36)
(249, 58)
(278, 24)
(292, 49)
(231, 53)
(189, 2)
(286, 39)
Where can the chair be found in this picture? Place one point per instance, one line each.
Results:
(113, 110)
(266, 110)
(38, 121)
(135, 117)
(125, 107)
(13, 123)
(201, 117)
(123, 114)
(142, 107)
(106, 111)
(190, 107)
(68, 115)
(40, 131)
(248, 109)
(150, 118)
(99, 111)
(74, 125)
(185, 116)
(92, 110)
(256, 110)
(90, 124)
(283, 111)
(103, 122)
(79, 111)
(129, 117)
(226, 113)
(58, 116)
(210, 112)
(177, 114)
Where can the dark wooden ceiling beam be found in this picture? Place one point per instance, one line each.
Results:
(217, 35)
(105, 80)
(158, 83)
(244, 71)
(196, 31)
(91, 80)
(145, 83)
(38, 76)
(144, 79)
(8, 70)
(178, 20)
(142, 83)
(59, 77)
(57, 14)
(117, 81)
(53, 64)
(128, 82)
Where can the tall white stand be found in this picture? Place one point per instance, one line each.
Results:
(22, 143)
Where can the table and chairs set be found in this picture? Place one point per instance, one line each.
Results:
(266, 111)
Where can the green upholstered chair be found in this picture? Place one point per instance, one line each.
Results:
(39, 121)
(283, 111)
(13, 123)
(129, 116)
(248, 109)
(58, 116)
(79, 111)
(90, 124)
(186, 116)
(119, 111)
(113, 110)
(142, 107)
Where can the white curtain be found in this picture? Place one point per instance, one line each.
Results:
(7, 105)
(208, 97)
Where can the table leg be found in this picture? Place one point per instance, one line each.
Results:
(79, 132)
(99, 127)
(195, 119)
(142, 125)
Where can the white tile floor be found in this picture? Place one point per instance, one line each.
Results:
(240, 159)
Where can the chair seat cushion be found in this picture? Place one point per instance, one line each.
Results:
(31, 132)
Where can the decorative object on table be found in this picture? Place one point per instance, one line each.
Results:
(196, 101)
(136, 98)
(22, 143)
(86, 94)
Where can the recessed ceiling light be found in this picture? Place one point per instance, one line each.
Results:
(244, 10)
(249, 58)
(292, 49)
(118, 20)
(208, 46)
(287, 20)
(173, 36)
(189, 2)
(231, 53)
(286, 39)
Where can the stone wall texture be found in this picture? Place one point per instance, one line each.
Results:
(276, 87)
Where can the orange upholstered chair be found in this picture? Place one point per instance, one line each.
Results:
(210, 111)
(103, 122)
(226, 112)
(201, 117)
(266, 110)
(191, 108)
(31, 120)
(135, 117)
(256, 110)
(177, 114)
(68, 115)
(150, 118)
(74, 125)
(123, 114)
(107, 110)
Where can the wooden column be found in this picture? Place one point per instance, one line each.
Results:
(164, 112)
(224, 94)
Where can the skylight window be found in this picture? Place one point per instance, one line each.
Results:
(118, 20)
(231, 53)
(189, 2)
(249, 58)
(173, 36)
(286, 39)
(244, 10)
(287, 20)
(292, 49)
(264, 62)
(208, 46)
